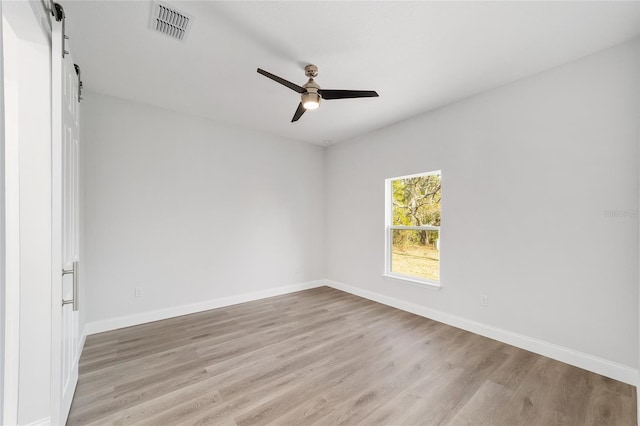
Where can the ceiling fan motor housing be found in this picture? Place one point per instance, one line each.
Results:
(311, 70)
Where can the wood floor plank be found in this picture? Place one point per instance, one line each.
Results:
(454, 394)
(483, 407)
(533, 402)
(384, 358)
(326, 357)
(189, 398)
(413, 405)
(325, 399)
(513, 371)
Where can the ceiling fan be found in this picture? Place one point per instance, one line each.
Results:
(311, 93)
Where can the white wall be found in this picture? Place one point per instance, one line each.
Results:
(2, 226)
(28, 103)
(191, 210)
(529, 171)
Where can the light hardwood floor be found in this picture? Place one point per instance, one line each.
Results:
(325, 357)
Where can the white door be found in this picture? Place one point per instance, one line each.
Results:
(65, 186)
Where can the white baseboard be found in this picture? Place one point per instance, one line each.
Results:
(592, 363)
(176, 311)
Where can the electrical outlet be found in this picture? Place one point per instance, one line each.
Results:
(137, 292)
(484, 300)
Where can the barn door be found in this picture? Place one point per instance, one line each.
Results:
(65, 95)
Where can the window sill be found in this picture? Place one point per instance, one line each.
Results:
(413, 281)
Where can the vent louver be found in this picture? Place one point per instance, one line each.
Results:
(169, 21)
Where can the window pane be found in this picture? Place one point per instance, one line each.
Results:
(416, 201)
(416, 253)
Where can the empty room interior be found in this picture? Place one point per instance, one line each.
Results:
(320, 213)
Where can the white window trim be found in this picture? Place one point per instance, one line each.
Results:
(388, 238)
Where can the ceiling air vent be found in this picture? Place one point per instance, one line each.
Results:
(170, 21)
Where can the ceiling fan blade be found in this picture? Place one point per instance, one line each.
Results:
(282, 81)
(298, 113)
(347, 94)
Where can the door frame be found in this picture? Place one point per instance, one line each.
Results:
(28, 25)
(2, 224)
(11, 248)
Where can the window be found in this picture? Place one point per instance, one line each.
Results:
(413, 227)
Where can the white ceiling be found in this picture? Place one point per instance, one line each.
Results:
(417, 55)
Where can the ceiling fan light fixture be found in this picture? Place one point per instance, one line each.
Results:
(310, 100)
